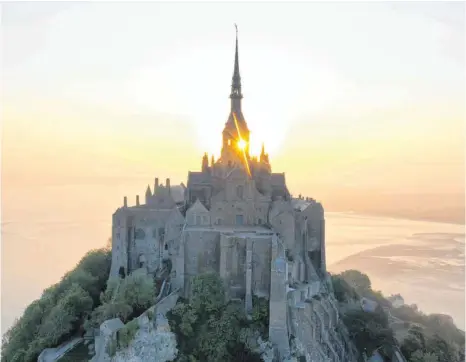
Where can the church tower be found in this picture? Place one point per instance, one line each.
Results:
(235, 147)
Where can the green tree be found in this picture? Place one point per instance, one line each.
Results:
(60, 311)
(342, 290)
(208, 293)
(138, 291)
(360, 282)
(209, 329)
(420, 356)
(368, 331)
(125, 299)
(444, 351)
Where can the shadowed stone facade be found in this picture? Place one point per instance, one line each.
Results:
(237, 218)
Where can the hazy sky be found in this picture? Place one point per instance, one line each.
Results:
(363, 95)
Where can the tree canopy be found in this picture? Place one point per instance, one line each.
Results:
(428, 338)
(209, 329)
(60, 311)
(125, 299)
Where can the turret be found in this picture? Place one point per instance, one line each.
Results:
(156, 185)
(264, 157)
(205, 163)
(148, 194)
(167, 185)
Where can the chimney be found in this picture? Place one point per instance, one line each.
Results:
(156, 184)
(125, 201)
(167, 184)
(137, 200)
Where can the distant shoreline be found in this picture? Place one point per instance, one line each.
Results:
(403, 217)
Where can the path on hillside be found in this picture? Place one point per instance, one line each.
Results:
(54, 354)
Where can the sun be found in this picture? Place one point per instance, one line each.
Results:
(242, 144)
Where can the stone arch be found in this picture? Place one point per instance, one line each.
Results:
(142, 261)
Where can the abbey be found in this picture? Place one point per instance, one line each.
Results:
(237, 218)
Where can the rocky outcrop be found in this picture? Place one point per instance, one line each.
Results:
(152, 342)
(146, 338)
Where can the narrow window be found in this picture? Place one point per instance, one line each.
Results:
(239, 191)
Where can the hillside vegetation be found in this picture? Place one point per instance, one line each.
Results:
(421, 337)
(208, 328)
(60, 312)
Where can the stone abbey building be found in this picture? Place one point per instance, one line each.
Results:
(236, 217)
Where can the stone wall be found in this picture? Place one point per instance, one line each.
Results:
(143, 237)
(201, 254)
(317, 330)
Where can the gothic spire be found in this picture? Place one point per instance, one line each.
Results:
(236, 81)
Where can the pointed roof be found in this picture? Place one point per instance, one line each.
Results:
(148, 191)
(198, 206)
(231, 125)
(236, 80)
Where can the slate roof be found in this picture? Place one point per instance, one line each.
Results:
(177, 193)
(199, 178)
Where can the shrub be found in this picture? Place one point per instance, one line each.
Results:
(125, 299)
(127, 333)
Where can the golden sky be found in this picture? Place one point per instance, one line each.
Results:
(344, 95)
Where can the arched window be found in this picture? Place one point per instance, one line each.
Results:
(122, 272)
(166, 246)
(140, 234)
